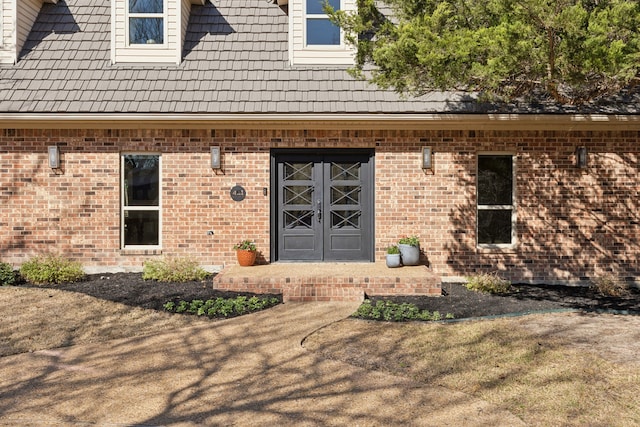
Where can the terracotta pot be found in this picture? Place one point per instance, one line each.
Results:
(246, 258)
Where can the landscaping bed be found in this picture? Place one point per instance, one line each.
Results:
(132, 290)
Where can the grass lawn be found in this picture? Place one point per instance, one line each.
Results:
(539, 376)
(551, 370)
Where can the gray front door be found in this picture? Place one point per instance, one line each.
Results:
(324, 206)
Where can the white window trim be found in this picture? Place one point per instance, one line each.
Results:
(124, 208)
(307, 16)
(164, 15)
(512, 206)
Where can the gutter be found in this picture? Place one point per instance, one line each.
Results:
(428, 121)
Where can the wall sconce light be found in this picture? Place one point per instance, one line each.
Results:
(426, 158)
(581, 157)
(215, 157)
(54, 157)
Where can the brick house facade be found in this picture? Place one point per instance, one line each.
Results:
(572, 223)
(236, 85)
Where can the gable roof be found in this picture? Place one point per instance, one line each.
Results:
(235, 62)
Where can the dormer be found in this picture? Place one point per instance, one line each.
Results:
(149, 31)
(16, 20)
(313, 38)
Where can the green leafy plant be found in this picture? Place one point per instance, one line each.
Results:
(7, 274)
(394, 312)
(411, 241)
(609, 285)
(51, 269)
(222, 307)
(393, 250)
(488, 283)
(173, 270)
(245, 245)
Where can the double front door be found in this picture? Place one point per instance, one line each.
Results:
(324, 206)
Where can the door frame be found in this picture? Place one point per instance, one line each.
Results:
(273, 201)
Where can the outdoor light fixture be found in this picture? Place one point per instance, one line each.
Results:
(215, 157)
(581, 157)
(54, 157)
(426, 158)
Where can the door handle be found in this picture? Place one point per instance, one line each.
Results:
(319, 211)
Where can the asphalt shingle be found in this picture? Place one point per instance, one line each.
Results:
(235, 61)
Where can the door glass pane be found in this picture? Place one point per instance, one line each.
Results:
(345, 195)
(298, 219)
(495, 180)
(141, 180)
(494, 226)
(141, 227)
(345, 219)
(298, 194)
(345, 171)
(298, 171)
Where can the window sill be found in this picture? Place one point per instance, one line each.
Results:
(140, 251)
(497, 249)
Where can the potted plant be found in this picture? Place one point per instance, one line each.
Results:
(409, 250)
(245, 252)
(393, 256)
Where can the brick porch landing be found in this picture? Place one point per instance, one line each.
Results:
(329, 281)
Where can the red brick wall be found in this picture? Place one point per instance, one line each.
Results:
(572, 223)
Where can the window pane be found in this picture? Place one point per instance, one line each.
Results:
(146, 30)
(494, 226)
(145, 6)
(322, 32)
(314, 7)
(141, 180)
(495, 180)
(141, 228)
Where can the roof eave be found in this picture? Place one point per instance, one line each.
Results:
(427, 121)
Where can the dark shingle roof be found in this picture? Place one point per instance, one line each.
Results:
(235, 61)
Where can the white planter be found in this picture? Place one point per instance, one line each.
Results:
(410, 254)
(393, 260)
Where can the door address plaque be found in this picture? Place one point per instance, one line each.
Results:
(238, 193)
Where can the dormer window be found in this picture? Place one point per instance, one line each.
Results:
(146, 22)
(313, 38)
(320, 30)
(149, 31)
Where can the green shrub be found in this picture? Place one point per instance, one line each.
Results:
(222, 307)
(7, 274)
(488, 283)
(173, 270)
(51, 269)
(609, 285)
(410, 240)
(391, 311)
(393, 250)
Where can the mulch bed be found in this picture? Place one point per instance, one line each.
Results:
(463, 303)
(130, 289)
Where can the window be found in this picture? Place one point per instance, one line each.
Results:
(320, 31)
(496, 200)
(146, 21)
(141, 200)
